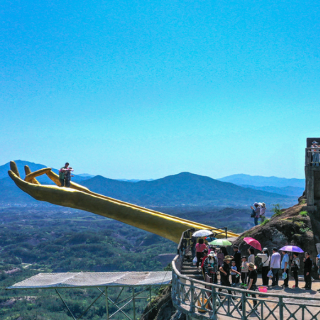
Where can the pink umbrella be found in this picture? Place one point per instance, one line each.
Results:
(253, 243)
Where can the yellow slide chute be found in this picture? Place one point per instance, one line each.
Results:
(79, 197)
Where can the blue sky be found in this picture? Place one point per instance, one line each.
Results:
(144, 89)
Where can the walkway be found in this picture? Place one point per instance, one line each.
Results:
(194, 297)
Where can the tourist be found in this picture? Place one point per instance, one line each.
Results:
(285, 268)
(265, 261)
(315, 153)
(244, 270)
(275, 264)
(193, 247)
(211, 238)
(220, 257)
(252, 280)
(62, 173)
(255, 212)
(262, 212)
(307, 271)
(211, 266)
(318, 265)
(225, 273)
(237, 259)
(224, 251)
(295, 266)
(251, 257)
(205, 256)
(211, 249)
(234, 272)
(200, 246)
(67, 177)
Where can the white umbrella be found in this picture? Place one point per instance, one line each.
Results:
(202, 233)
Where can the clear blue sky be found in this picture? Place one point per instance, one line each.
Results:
(144, 89)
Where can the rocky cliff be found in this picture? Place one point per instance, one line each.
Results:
(161, 308)
(292, 226)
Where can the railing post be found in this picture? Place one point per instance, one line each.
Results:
(244, 306)
(214, 298)
(281, 308)
(107, 303)
(177, 288)
(134, 304)
(226, 232)
(192, 306)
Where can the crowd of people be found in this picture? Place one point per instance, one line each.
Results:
(258, 212)
(65, 175)
(241, 270)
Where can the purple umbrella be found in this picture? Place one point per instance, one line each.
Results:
(292, 249)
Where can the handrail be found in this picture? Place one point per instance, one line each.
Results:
(203, 300)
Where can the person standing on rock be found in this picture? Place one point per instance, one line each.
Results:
(275, 266)
(307, 271)
(262, 212)
(255, 213)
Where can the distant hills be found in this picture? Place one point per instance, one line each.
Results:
(259, 181)
(183, 189)
(288, 187)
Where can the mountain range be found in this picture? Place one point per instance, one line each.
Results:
(289, 187)
(183, 189)
(260, 181)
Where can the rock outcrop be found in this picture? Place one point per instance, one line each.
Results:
(161, 308)
(292, 226)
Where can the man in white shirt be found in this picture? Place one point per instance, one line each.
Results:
(275, 266)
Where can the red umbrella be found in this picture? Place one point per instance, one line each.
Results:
(253, 243)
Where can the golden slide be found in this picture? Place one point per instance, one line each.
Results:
(80, 197)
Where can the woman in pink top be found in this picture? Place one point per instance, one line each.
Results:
(200, 246)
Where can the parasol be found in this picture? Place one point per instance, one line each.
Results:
(253, 243)
(202, 233)
(220, 242)
(292, 249)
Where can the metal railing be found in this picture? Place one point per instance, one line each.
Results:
(204, 300)
(312, 156)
